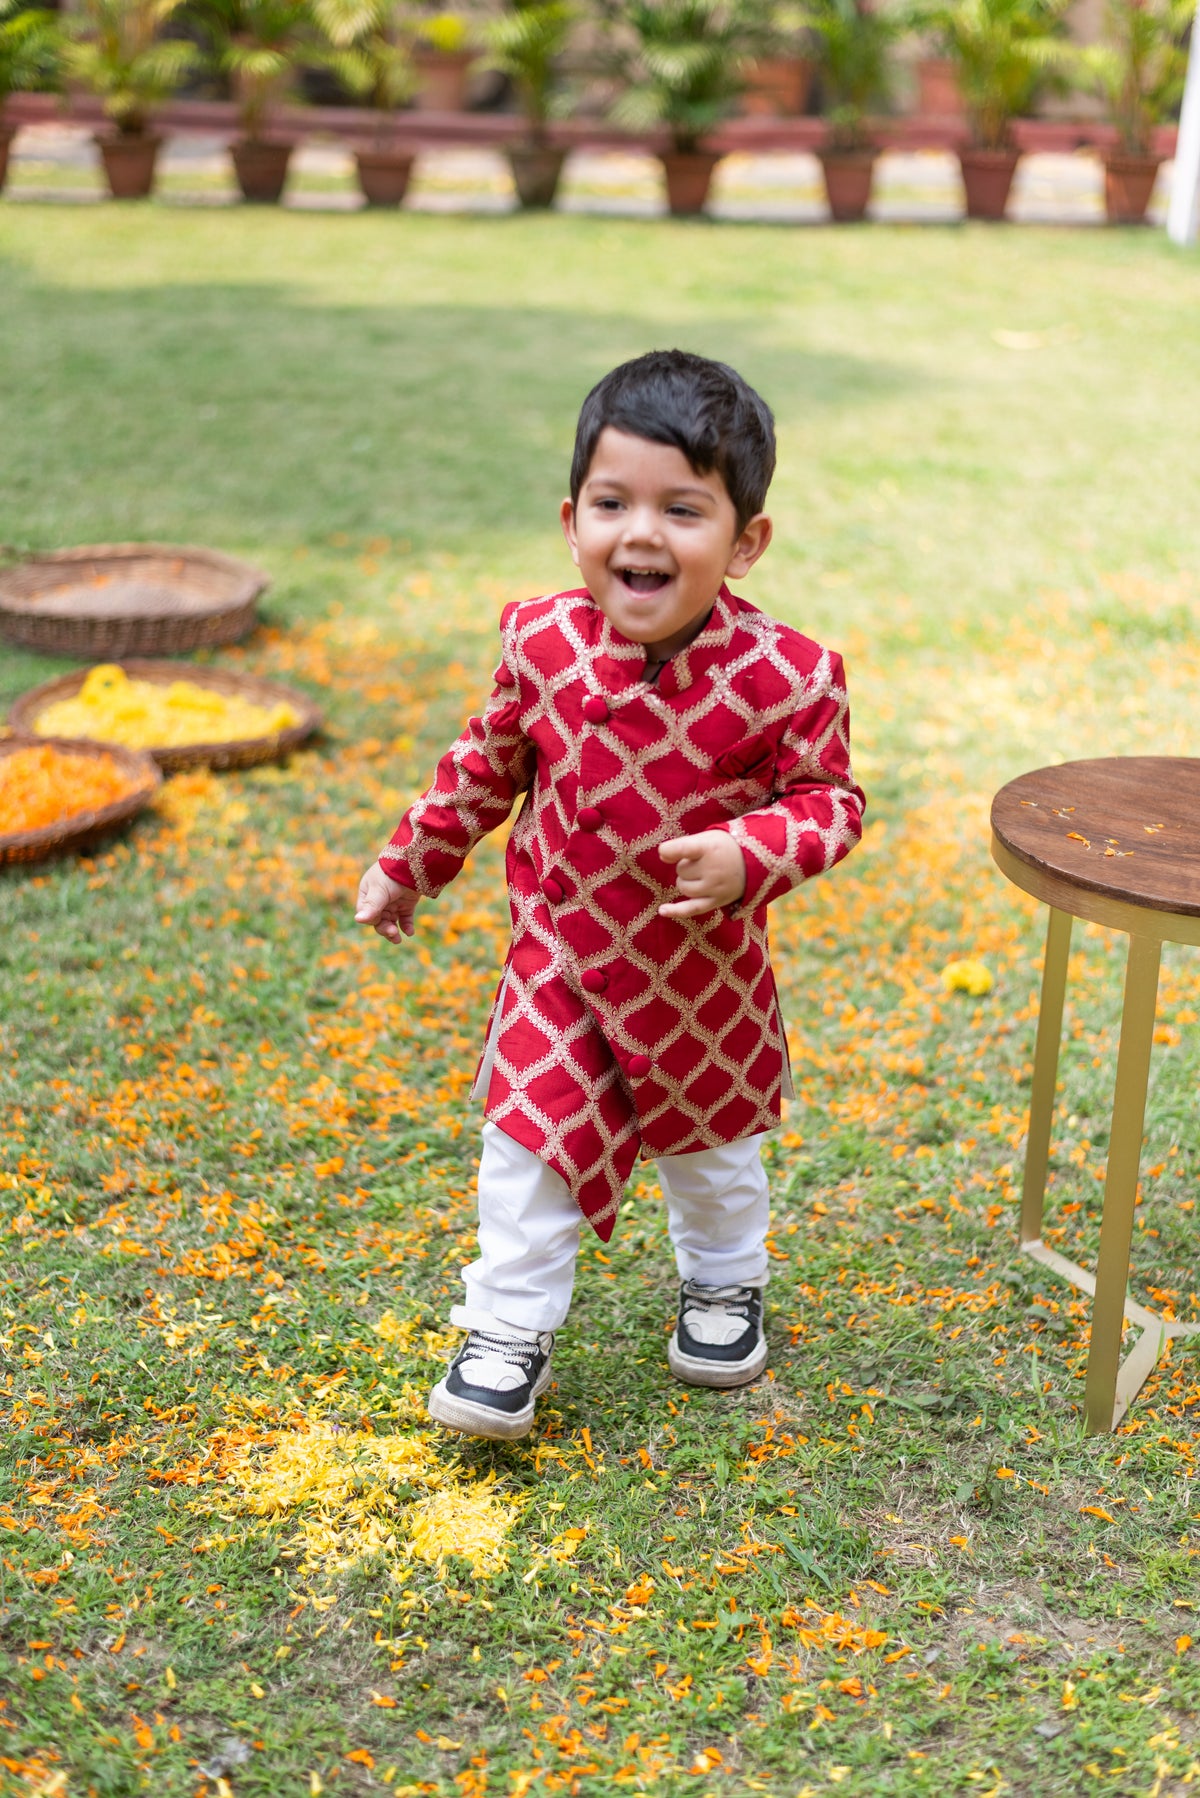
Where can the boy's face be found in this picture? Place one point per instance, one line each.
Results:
(654, 540)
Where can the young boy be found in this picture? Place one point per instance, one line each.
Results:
(684, 760)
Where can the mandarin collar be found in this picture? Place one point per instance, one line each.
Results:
(619, 661)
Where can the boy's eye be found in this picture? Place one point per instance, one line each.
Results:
(683, 511)
(608, 505)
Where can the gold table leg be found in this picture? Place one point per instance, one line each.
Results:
(1111, 1385)
(1045, 1073)
(1120, 1185)
(1143, 1357)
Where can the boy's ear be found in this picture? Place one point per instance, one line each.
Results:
(566, 517)
(749, 545)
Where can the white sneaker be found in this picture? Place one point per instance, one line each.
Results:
(493, 1382)
(718, 1339)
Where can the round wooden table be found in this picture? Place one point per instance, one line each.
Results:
(1115, 841)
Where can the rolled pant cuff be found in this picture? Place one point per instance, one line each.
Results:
(514, 1317)
(472, 1318)
(750, 1272)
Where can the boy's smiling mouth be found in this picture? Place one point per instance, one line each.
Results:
(643, 580)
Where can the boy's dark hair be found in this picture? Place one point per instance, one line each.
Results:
(704, 408)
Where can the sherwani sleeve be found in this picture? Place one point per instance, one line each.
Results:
(815, 817)
(473, 791)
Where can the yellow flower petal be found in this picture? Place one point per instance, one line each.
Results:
(967, 977)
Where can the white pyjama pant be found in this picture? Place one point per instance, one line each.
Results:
(717, 1218)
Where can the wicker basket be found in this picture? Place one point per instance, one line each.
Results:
(115, 599)
(242, 753)
(80, 829)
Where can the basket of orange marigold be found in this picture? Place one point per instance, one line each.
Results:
(57, 794)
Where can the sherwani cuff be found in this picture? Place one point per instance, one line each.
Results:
(426, 874)
(398, 870)
(765, 879)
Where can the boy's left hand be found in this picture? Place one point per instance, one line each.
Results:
(710, 873)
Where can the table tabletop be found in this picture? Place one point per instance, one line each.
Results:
(1125, 827)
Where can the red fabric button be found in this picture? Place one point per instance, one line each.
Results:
(639, 1066)
(552, 890)
(589, 817)
(505, 677)
(593, 981)
(595, 710)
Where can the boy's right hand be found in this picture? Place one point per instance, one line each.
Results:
(385, 904)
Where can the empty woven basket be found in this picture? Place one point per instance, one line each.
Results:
(107, 600)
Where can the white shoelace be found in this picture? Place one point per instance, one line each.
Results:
(502, 1363)
(715, 1315)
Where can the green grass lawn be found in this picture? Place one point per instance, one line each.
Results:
(236, 1155)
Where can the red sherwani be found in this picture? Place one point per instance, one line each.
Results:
(614, 1029)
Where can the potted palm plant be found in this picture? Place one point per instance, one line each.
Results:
(685, 71)
(1139, 70)
(852, 41)
(443, 54)
(29, 58)
(259, 45)
(524, 42)
(369, 55)
(116, 48)
(938, 93)
(778, 76)
(1004, 51)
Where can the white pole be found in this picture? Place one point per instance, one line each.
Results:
(1185, 188)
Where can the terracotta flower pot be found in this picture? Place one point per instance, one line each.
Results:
(689, 176)
(1128, 185)
(938, 92)
(777, 87)
(535, 171)
(129, 163)
(848, 176)
(442, 79)
(7, 133)
(987, 178)
(383, 175)
(261, 167)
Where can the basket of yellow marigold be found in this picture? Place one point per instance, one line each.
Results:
(65, 795)
(184, 717)
(108, 600)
